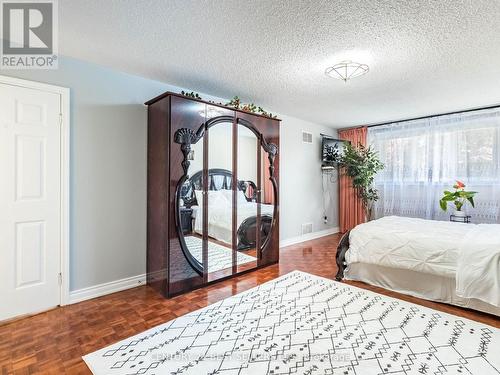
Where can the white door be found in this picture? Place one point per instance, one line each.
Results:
(30, 200)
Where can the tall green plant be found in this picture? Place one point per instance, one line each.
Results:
(361, 164)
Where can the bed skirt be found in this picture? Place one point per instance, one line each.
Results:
(416, 284)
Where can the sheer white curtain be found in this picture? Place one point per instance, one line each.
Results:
(424, 157)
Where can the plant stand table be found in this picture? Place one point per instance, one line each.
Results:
(460, 219)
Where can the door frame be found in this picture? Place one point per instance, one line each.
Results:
(64, 132)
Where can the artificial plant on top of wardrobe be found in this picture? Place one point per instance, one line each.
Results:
(361, 164)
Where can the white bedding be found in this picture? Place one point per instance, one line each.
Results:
(220, 215)
(455, 250)
(416, 284)
(478, 270)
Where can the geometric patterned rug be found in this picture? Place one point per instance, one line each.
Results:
(219, 257)
(305, 324)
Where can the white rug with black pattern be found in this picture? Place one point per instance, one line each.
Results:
(219, 257)
(304, 324)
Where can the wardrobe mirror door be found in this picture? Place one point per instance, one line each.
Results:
(247, 214)
(219, 197)
(267, 199)
(190, 203)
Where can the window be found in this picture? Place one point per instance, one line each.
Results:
(424, 157)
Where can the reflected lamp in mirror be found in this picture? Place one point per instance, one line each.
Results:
(211, 112)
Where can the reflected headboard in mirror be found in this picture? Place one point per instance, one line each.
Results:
(218, 179)
(221, 179)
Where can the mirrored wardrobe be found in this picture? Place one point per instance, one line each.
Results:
(213, 182)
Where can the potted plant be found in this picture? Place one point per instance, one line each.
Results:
(459, 197)
(361, 164)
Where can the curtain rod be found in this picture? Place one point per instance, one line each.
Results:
(424, 117)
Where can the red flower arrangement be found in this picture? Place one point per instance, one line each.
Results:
(458, 197)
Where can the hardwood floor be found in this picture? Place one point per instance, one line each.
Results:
(53, 342)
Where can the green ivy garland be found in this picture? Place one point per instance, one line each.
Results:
(191, 94)
(235, 103)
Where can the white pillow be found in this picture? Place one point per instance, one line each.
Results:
(228, 195)
(199, 197)
(240, 196)
(215, 197)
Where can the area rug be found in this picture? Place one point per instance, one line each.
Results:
(219, 257)
(304, 324)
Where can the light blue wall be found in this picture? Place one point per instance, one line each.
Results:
(108, 173)
(108, 170)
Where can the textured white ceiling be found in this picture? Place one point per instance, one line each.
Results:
(425, 56)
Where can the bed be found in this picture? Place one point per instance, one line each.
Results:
(220, 208)
(440, 261)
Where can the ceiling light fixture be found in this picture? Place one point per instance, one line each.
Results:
(346, 70)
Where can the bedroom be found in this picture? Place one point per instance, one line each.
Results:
(151, 191)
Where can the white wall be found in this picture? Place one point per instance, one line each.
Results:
(108, 170)
(247, 155)
(220, 152)
(301, 179)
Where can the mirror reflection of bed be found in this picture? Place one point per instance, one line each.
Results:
(251, 212)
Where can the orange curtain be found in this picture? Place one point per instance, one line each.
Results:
(268, 196)
(352, 211)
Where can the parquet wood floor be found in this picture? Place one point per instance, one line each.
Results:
(53, 342)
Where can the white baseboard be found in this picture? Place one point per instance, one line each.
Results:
(95, 291)
(309, 236)
(106, 288)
